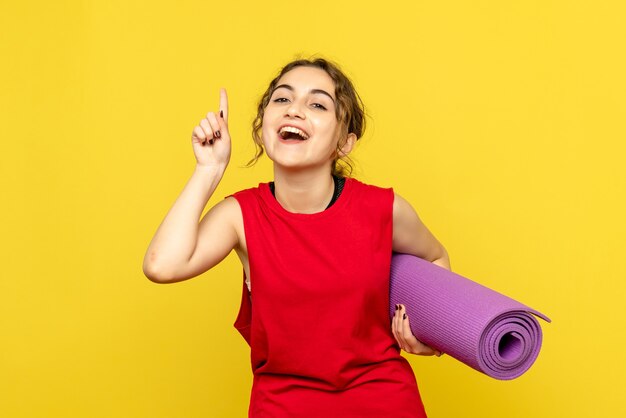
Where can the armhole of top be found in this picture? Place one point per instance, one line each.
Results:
(244, 316)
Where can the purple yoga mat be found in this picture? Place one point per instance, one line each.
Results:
(480, 327)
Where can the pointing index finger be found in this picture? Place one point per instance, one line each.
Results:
(224, 103)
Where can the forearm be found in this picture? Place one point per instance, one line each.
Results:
(175, 240)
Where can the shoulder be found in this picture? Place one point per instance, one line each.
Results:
(373, 202)
(225, 219)
(370, 189)
(226, 212)
(230, 208)
(251, 191)
(248, 196)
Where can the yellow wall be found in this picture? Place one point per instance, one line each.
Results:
(502, 122)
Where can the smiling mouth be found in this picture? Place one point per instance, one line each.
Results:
(290, 132)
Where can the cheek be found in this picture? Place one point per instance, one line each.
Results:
(335, 133)
(267, 118)
(265, 131)
(326, 127)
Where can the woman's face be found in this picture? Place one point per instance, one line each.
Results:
(300, 129)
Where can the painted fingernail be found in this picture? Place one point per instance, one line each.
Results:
(218, 134)
(403, 316)
(397, 307)
(211, 141)
(221, 114)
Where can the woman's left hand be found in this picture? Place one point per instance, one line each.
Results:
(408, 342)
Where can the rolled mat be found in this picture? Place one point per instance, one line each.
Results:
(480, 327)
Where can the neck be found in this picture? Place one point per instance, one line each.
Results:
(304, 192)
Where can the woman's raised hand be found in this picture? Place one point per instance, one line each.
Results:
(211, 139)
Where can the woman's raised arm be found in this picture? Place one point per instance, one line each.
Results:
(172, 255)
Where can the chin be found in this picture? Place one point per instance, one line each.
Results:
(288, 164)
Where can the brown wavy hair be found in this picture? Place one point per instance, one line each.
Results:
(349, 111)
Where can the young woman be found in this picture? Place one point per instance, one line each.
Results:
(315, 246)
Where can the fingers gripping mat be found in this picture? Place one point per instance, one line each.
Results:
(480, 327)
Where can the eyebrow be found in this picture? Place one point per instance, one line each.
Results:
(312, 91)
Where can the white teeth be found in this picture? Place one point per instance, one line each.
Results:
(293, 130)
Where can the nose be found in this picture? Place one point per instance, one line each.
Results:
(294, 110)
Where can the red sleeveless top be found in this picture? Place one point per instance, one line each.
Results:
(317, 318)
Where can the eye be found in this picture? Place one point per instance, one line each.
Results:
(318, 106)
(280, 100)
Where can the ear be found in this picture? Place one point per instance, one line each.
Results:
(348, 144)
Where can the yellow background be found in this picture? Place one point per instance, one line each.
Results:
(502, 123)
